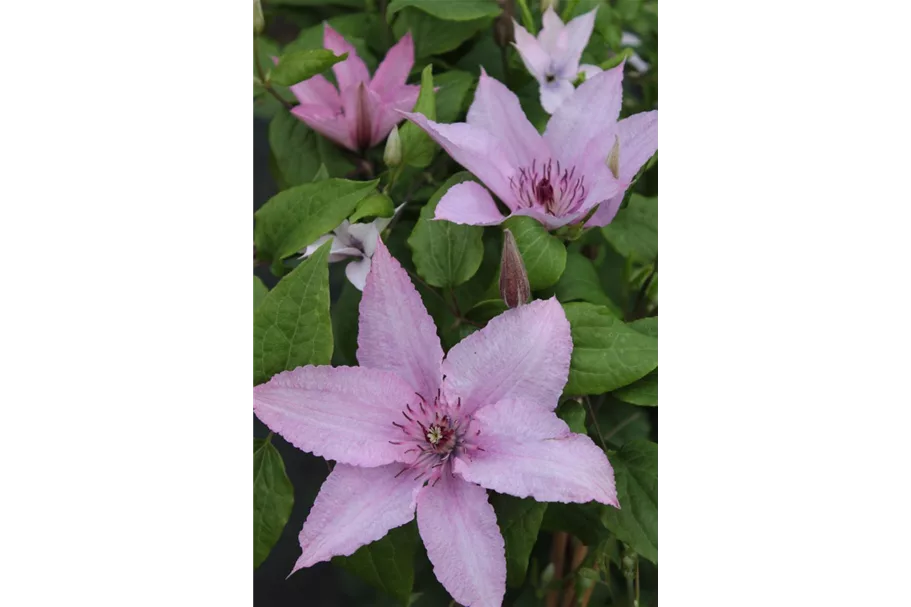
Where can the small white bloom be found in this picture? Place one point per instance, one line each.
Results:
(356, 241)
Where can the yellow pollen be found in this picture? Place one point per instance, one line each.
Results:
(434, 434)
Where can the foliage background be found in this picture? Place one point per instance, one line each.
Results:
(616, 268)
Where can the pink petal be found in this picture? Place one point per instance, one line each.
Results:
(551, 28)
(352, 70)
(395, 332)
(469, 203)
(475, 149)
(574, 123)
(523, 354)
(317, 91)
(496, 109)
(553, 94)
(392, 73)
(535, 58)
(362, 107)
(325, 122)
(342, 413)
(572, 42)
(388, 113)
(356, 506)
(530, 452)
(638, 142)
(549, 221)
(459, 529)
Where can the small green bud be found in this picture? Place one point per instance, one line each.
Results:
(392, 155)
(613, 158)
(514, 286)
(259, 22)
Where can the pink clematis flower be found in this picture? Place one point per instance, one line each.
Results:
(585, 157)
(412, 431)
(361, 112)
(553, 57)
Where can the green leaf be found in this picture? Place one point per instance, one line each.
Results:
(293, 219)
(292, 327)
(375, 205)
(344, 326)
(299, 151)
(259, 292)
(544, 255)
(636, 523)
(353, 27)
(634, 231)
(580, 282)
(519, 520)
(301, 65)
(573, 414)
(453, 88)
(461, 10)
(621, 422)
(417, 147)
(388, 563)
(322, 174)
(273, 497)
(643, 392)
(445, 254)
(581, 520)
(646, 326)
(434, 36)
(607, 354)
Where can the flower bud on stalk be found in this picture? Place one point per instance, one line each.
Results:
(514, 287)
(259, 21)
(502, 27)
(392, 155)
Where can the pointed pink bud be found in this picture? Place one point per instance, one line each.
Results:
(514, 287)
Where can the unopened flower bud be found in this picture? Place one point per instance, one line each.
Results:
(392, 155)
(259, 21)
(514, 287)
(613, 158)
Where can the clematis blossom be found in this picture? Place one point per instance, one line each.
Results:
(553, 57)
(361, 112)
(415, 433)
(585, 159)
(356, 241)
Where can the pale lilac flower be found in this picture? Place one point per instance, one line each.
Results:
(556, 178)
(553, 57)
(412, 431)
(361, 112)
(353, 240)
(636, 62)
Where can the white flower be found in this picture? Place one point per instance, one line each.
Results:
(353, 240)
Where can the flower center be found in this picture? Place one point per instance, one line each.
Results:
(550, 188)
(434, 432)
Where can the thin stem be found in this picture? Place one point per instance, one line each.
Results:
(527, 21)
(622, 425)
(580, 551)
(595, 422)
(557, 556)
(630, 592)
(266, 84)
(642, 296)
(637, 582)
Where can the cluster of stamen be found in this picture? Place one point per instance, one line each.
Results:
(552, 188)
(434, 433)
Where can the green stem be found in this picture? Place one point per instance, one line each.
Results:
(568, 11)
(262, 77)
(527, 20)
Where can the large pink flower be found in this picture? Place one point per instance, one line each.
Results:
(412, 431)
(361, 112)
(556, 178)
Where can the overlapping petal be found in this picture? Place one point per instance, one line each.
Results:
(390, 76)
(469, 203)
(317, 91)
(325, 121)
(350, 72)
(534, 56)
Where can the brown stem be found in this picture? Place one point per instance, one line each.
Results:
(580, 551)
(262, 77)
(557, 556)
(583, 602)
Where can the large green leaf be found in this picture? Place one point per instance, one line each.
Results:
(634, 231)
(299, 151)
(374, 205)
(388, 563)
(645, 391)
(273, 497)
(607, 354)
(620, 422)
(581, 520)
(292, 327)
(259, 292)
(519, 520)
(445, 254)
(344, 325)
(434, 36)
(636, 522)
(355, 28)
(544, 255)
(295, 218)
(417, 147)
(303, 64)
(457, 10)
(580, 282)
(453, 88)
